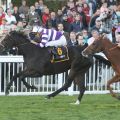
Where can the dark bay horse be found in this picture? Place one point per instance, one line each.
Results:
(112, 52)
(37, 62)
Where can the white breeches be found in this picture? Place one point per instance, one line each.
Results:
(110, 36)
(61, 42)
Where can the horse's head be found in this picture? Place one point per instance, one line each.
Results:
(95, 47)
(12, 39)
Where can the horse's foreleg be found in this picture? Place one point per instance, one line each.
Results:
(10, 83)
(81, 85)
(29, 73)
(111, 81)
(21, 76)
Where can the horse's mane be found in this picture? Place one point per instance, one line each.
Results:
(104, 37)
(19, 34)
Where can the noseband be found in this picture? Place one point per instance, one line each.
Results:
(2, 45)
(1, 42)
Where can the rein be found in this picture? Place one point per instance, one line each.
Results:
(22, 44)
(2, 45)
(113, 48)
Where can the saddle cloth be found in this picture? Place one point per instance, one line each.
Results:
(59, 54)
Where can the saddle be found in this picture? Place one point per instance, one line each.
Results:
(59, 54)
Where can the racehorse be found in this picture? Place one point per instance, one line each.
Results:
(112, 52)
(37, 63)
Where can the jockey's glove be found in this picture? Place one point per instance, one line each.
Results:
(33, 42)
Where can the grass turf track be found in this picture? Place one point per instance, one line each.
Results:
(93, 107)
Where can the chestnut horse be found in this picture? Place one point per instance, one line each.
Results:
(112, 52)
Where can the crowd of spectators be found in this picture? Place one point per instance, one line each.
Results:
(80, 21)
(77, 19)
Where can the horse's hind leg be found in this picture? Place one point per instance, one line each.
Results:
(115, 79)
(65, 86)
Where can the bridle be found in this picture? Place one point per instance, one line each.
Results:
(2, 45)
(8, 35)
(1, 41)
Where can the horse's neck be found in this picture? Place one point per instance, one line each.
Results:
(25, 49)
(108, 46)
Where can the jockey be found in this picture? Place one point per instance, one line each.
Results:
(48, 37)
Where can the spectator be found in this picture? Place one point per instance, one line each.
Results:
(45, 17)
(77, 25)
(80, 41)
(16, 14)
(11, 7)
(71, 16)
(83, 17)
(101, 2)
(111, 2)
(41, 5)
(95, 36)
(117, 31)
(97, 25)
(4, 27)
(86, 8)
(3, 5)
(60, 28)
(33, 17)
(106, 26)
(66, 24)
(86, 11)
(85, 35)
(52, 22)
(92, 5)
(10, 18)
(95, 15)
(118, 13)
(118, 38)
(72, 41)
(37, 9)
(59, 17)
(104, 7)
(23, 10)
(71, 5)
(2, 15)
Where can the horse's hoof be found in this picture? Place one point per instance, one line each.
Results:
(33, 87)
(47, 97)
(7, 92)
(76, 103)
